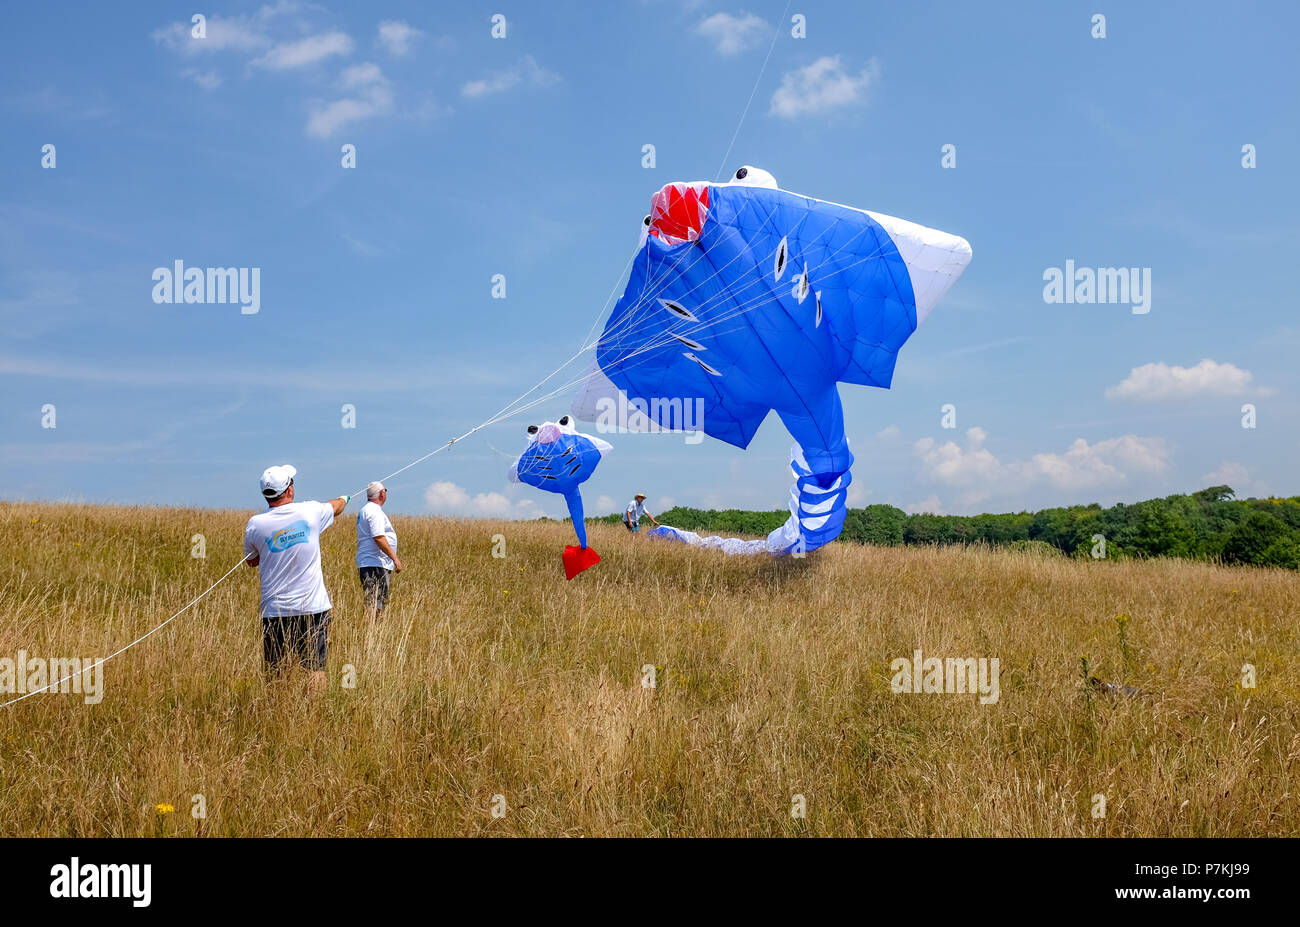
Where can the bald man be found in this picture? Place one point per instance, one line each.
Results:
(376, 550)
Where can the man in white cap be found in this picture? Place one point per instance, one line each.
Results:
(284, 544)
(635, 509)
(376, 549)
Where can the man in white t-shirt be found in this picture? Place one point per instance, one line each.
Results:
(376, 549)
(283, 543)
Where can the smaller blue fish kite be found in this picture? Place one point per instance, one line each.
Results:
(559, 459)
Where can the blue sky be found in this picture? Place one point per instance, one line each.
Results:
(522, 156)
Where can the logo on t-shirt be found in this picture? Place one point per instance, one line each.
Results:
(297, 533)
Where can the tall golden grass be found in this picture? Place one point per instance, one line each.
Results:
(495, 677)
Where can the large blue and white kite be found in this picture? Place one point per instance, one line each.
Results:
(745, 298)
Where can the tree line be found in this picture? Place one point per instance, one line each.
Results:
(1207, 525)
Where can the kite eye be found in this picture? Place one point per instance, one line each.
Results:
(564, 420)
(532, 429)
(645, 221)
(742, 173)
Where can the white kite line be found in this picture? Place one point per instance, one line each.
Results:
(757, 80)
(104, 660)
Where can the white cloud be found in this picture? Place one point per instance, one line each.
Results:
(1159, 381)
(927, 506)
(281, 37)
(397, 36)
(732, 35)
(329, 118)
(311, 50)
(371, 96)
(1107, 463)
(360, 75)
(527, 71)
(1227, 472)
(240, 33)
(208, 80)
(821, 86)
(857, 495)
(1238, 476)
(889, 433)
(949, 463)
(446, 498)
(246, 33)
(361, 246)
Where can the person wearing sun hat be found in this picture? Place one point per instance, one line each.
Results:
(283, 543)
(635, 509)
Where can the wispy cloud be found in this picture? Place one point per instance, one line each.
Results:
(248, 32)
(370, 95)
(362, 75)
(981, 348)
(328, 380)
(361, 246)
(288, 37)
(446, 498)
(526, 72)
(238, 34)
(930, 505)
(288, 56)
(821, 86)
(208, 80)
(732, 35)
(93, 104)
(398, 36)
(1238, 476)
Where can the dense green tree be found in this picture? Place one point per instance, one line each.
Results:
(1260, 539)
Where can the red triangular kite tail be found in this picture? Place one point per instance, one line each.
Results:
(577, 559)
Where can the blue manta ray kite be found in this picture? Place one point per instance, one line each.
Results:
(745, 298)
(559, 459)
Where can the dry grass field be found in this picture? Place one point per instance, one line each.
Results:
(495, 677)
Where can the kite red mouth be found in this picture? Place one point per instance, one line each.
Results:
(678, 211)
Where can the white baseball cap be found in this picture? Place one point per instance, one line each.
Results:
(275, 480)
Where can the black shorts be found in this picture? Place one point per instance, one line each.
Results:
(374, 586)
(304, 639)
